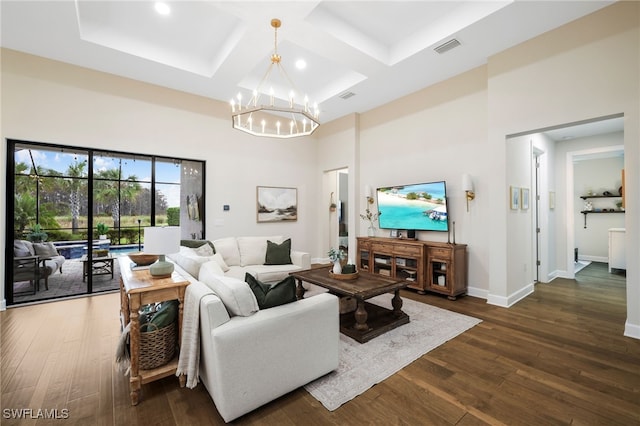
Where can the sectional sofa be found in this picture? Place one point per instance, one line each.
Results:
(250, 356)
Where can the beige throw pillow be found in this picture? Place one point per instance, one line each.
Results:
(236, 295)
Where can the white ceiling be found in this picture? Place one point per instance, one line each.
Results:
(378, 50)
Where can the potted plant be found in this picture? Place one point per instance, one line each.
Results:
(37, 235)
(102, 229)
(336, 256)
(370, 217)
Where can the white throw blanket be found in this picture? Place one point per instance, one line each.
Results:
(189, 360)
(123, 358)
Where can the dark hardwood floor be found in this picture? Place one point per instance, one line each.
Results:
(557, 357)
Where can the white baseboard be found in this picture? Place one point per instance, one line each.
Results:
(508, 301)
(478, 292)
(601, 259)
(565, 274)
(3, 305)
(632, 330)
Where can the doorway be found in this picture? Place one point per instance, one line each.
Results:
(336, 186)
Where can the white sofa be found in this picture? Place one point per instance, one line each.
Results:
(251, 356)
(239, 255)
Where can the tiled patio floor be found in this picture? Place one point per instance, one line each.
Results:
(68, 283)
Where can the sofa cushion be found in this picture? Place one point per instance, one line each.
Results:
(228, 248)
(254, 249)
(235, 294)
(271, 273)
(45, 249)
(210, 267)
(203, 250)
(23, 248)
(278, 294)
(220, 261)
(188, 260)
(278, 254)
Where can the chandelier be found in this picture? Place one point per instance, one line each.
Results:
(265, 114)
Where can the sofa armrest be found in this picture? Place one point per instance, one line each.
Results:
(249, 361)
(301, 259)
(212, 312)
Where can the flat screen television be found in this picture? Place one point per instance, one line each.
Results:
(419, 207)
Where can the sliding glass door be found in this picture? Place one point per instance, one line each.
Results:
(72, 212)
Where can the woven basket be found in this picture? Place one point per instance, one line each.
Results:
(157, 347)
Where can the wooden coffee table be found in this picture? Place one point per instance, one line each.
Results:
(368, 320)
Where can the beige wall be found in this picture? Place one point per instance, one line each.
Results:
(583, 70)
(586, 69)
(48, 101)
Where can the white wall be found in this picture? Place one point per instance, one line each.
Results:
(337, 149)
(48, 101)
(436, 134)
(534, 85)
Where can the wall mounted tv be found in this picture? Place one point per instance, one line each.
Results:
(419, 207)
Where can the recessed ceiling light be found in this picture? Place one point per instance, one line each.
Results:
(162, 8)
(301, 64)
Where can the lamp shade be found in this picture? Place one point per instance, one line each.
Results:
(467, 183)
(161, 240)
(368, 192)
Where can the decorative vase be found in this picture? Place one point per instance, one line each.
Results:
(337, 268)
(371, 231)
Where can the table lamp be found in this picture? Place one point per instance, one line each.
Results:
(161, 240)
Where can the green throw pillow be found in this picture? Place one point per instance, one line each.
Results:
(278, 254)
(197, 243)
(269, 296)
(165, 315)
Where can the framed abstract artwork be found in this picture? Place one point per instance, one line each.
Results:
(514, 195)
(276, 204)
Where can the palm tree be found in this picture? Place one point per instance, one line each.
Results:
(75, 170)
(24, 212)
(109, 190)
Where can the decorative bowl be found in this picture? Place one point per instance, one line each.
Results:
(344, 276)
(142, 259)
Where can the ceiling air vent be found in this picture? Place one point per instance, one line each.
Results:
(346, 95)
(446, 46)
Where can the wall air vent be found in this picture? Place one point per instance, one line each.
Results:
(446, 46)
(346, 95)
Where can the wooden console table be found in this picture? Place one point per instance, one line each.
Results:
(425, 265)
(138, 288)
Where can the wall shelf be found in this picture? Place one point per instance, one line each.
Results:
(586, 212)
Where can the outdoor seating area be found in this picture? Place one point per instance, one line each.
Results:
(70, 282)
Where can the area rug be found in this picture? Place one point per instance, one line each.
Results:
(363, 365)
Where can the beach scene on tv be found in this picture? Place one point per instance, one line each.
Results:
(420, 207)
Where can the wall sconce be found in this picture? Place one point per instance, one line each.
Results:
(368, 193)
(467, 187)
